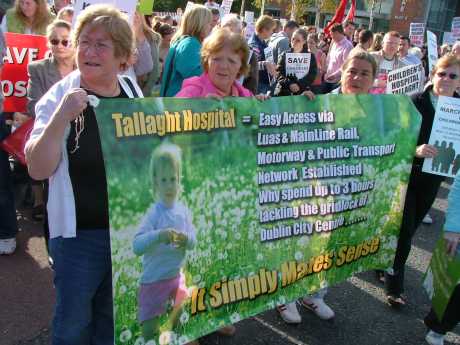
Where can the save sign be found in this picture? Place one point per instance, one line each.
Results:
(297, 64)
(20, 50)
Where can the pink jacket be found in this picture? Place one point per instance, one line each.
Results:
(201, 87)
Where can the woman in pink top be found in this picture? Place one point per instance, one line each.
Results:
(224, 57)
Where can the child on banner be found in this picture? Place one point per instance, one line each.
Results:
(165, 233)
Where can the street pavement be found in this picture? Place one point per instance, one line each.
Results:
(362, 315)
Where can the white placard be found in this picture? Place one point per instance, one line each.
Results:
(448, 38)
(416, 33)
(407, 80)
(249, 31)
(432, 49)
(226, 7)
(268, 52)
(190, 4)
(297, 64)
(445, 136)
(248, 17)
(456, 27)
(125, 6)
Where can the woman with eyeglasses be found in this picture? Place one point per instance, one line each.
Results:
(46, 72)
(27, 17)
(65, 147)
(423, 187)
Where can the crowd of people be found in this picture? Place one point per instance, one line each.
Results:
(203, 54)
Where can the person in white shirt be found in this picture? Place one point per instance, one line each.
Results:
(403, 52)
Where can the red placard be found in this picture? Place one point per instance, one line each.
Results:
(20, 50)
(16, 141)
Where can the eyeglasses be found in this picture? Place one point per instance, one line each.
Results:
(99, 46)
(55, 42)
(451, 76)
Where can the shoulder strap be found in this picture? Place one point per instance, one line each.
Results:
(131, 86)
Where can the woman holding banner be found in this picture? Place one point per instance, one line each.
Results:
(438, 328)
(423, 187)
(288, 83)
(225, 59)
(183, 60)
(65, 147)
(27, 17)
(357, 77)
(224, 56)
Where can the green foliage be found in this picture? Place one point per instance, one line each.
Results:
(220, 189)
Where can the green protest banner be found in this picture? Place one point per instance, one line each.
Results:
(145, 7)
(268, 202)
(442, 276)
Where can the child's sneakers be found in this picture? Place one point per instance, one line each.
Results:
(289, 313)
(7, 246)
(318, 306)
(434, 338)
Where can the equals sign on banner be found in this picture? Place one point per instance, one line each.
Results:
(247, 119)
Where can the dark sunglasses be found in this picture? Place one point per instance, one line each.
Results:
(452, 76)
(55, 42)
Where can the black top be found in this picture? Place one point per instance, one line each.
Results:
(87, 172)
(283, 81)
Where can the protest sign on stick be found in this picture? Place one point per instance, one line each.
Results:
(445, 136)
(448, 38)
(406, 80)
(126, 6)
(278, 198)
(456, 28)
(226, 7)
(248, 17)
(416, 34)
(432, 49)
(20, 50)
(298, 64)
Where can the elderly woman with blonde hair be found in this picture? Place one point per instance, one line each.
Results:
(65, 147)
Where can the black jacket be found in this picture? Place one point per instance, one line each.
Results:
(283, 81)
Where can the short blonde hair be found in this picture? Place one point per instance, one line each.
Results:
(65, 11)
(57, 24)
(365, 56)
(114, 22)
(446, 61)
(221, 38)
(166, 153)
(264, 22)
(230, 21)
(193, 22)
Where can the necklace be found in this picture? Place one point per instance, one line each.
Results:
(80, 119)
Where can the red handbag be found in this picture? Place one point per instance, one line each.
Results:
(15, 143)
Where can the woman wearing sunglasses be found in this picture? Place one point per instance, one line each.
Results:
(423, 187)
(45, 73)
(42, 75)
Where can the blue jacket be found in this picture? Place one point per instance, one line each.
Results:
(186, 64)
(453, 213)
(258, 47)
